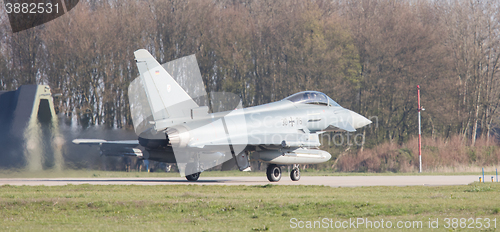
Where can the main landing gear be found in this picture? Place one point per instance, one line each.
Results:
(193, 177)
(192, 168)
(274, 173)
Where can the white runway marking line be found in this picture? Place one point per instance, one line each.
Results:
(333, 181)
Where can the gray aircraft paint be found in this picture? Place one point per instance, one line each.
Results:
(282, 132)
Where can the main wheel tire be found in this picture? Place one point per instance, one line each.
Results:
(295, 174)
(193, 177)
(191, 168)
(273, 173)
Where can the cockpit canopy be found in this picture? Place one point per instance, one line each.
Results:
(312, 97)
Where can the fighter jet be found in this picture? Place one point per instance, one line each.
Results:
(174, 127)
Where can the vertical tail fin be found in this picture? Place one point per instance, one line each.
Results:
(166, 98)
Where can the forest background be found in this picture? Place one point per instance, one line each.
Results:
(369, 56)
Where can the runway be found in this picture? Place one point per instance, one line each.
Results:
(333, 181)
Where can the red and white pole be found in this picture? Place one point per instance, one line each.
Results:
(419, 133)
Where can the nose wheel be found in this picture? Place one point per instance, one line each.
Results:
(295, 173)
(273, 173)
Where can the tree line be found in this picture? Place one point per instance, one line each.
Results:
(369, 56)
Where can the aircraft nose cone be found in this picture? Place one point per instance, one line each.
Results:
(359, 121)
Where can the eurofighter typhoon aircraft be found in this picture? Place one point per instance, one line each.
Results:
(177, 123)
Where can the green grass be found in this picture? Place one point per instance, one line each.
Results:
(233, 208)
(111, 174)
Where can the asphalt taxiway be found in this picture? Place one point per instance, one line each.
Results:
(333, 181)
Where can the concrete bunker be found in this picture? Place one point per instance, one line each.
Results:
(29, 133)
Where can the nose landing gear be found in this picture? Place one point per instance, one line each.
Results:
(295, 173)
